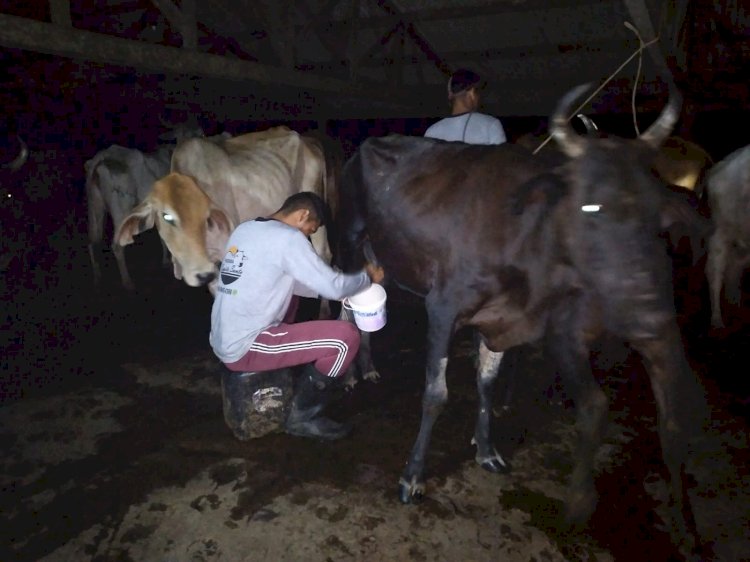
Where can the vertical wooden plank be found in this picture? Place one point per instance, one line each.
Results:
(188, 25)
(60, 12)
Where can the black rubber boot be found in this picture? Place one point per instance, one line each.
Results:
(311, 395)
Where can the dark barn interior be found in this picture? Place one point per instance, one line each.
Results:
(114, 443)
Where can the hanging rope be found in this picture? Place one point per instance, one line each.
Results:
(638, 51)
(632, 28)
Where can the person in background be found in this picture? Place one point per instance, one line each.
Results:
(268, 264)
(465, 123)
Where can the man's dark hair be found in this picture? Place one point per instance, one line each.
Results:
(463, 80)
(306, 200)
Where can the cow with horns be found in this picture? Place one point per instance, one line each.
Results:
(494, 238)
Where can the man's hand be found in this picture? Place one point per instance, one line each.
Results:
(375, 272)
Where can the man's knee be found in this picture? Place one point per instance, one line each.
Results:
(350, 334)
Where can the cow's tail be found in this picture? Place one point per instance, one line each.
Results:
(94, 202)
(96, 213)
(351, 235)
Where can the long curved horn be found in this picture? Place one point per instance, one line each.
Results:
(570, 142)
(660, 129)
(19, 160)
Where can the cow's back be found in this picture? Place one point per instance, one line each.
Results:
(248, 175)
(124, 176)
(433, 209)
(728, 187)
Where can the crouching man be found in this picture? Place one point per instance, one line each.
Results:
(269, 263)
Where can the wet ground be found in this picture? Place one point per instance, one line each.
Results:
(115, 447)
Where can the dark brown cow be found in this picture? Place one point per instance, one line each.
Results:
(495, 239)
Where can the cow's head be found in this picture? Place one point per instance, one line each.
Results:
(191, 226)
(614, 213)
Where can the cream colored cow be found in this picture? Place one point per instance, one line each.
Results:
(213, 186)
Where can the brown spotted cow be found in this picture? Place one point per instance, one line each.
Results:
(495, 239)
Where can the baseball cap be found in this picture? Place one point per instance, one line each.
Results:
(462, 80)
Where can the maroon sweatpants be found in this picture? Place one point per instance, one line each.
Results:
(330, 344)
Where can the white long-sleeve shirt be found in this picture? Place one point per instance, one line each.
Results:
(267, 262)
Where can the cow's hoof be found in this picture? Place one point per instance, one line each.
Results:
(579, 507)
(372, 376)
(494, 463)
(497, 466)
(410, 492)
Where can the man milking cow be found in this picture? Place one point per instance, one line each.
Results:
(269, 263)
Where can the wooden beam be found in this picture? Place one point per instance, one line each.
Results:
(189, 26)
(462, 12)
(418, 39)
(352, 39)
(643, 23)
(43, 37)
(506, 53)
(182, 19)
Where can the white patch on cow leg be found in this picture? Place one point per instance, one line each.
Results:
(489, 361)
(495, 457)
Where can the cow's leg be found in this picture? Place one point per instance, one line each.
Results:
(572, 359)
(716, 265)
(681, 407)
(319, 240)
(166, 257)
(119, 252)
(736, 264)
(440, 325)
(487, 457)
(96, 215)
(325, 310)
(97, 272)
(362, 365)
(591, 421)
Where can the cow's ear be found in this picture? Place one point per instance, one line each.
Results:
(219, 221)
(139, 220)
(544, 189)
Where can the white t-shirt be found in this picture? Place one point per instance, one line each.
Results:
(471, 128)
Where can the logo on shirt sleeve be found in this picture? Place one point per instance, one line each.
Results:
(232, 265)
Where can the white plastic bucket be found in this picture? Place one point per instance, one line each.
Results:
(368, 308)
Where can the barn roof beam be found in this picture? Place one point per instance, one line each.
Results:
(456, 13)
(183, 19)
(371, 58)
(418, 39)
(642, 20)
(25, 33)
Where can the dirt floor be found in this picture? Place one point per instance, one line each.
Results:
(115, 448)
